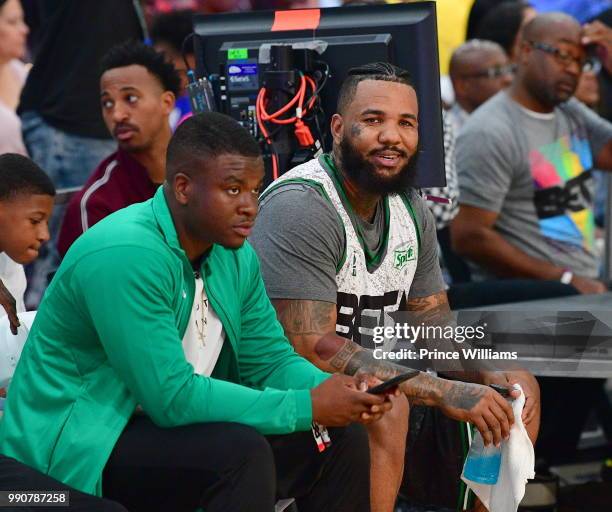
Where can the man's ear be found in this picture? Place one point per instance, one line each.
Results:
(460, 86)
(168, 101)
(523, 52)
(183, 187)
(337, 126)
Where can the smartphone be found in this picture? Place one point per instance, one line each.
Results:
(502, 390)
(388, 385)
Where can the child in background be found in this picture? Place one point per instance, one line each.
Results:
(26, 201)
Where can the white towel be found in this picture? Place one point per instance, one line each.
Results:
(517, 466)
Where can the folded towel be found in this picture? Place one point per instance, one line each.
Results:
(517, 466)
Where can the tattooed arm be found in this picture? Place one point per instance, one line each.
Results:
(434, 310)
(311, 328)
(310, 325)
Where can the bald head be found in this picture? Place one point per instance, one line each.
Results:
(552, 26)
(550, 61)
(478, 69)
(468, 56)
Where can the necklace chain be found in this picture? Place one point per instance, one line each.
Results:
(202, 308)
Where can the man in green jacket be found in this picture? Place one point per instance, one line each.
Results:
(156, 364)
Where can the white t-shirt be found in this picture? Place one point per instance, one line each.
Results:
(14, 279)
(204, 336)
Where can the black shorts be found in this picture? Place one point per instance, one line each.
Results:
(435, 451)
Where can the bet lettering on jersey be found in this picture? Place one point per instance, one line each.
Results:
(358, 316)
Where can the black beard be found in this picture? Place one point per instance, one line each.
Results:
(545, 96)
(363, 173)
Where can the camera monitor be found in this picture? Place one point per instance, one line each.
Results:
(237, 49)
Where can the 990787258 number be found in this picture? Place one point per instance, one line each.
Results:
(34, 498)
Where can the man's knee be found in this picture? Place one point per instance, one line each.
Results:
(354, 438)
(247, 448)
(392, 428)
(538, 392)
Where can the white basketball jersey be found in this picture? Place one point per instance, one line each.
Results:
(368, 285)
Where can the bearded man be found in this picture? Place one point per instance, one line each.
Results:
(344, 239)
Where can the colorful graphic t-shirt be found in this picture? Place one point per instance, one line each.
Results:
(534, 170)
(563, 196)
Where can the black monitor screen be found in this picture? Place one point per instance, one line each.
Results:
(403, 34)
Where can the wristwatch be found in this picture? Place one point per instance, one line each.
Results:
(567, 276)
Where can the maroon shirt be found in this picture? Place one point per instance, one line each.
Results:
(118, 181)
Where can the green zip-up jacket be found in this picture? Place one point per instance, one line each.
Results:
(107, 337)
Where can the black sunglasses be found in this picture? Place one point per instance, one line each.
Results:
(493, 72)
(562, 57)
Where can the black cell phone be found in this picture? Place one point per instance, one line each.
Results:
(388, 385)
(502, 390)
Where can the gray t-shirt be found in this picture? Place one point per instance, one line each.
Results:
(534, 170)
(300, 240)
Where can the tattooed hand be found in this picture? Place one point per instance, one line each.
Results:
(366, 380)
(531, 389)
(480, 405)
(311, 327)
(7, 301)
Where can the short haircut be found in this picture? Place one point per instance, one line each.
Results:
(136, 53)
(206, 136)
(172, 28)
(470, 51)
(382, 71)
(21, 176)
(502, 24)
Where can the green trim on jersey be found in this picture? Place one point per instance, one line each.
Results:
(408, 205)
(323, 193)
(466, 497)
(373, 259)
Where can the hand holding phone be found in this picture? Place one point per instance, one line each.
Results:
(389, 385)
(502, 390)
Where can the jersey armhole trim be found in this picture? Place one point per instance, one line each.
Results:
(320, 189)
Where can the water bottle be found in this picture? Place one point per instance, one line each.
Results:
(483, 462)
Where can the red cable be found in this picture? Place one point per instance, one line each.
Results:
(299, 97)
(262, 128)
(263, 116)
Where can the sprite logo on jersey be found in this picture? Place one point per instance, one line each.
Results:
(403, 256)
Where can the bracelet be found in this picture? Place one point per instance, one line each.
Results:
(567, 276)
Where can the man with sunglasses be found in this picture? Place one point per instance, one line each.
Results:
(478, 69)
(524, 163)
